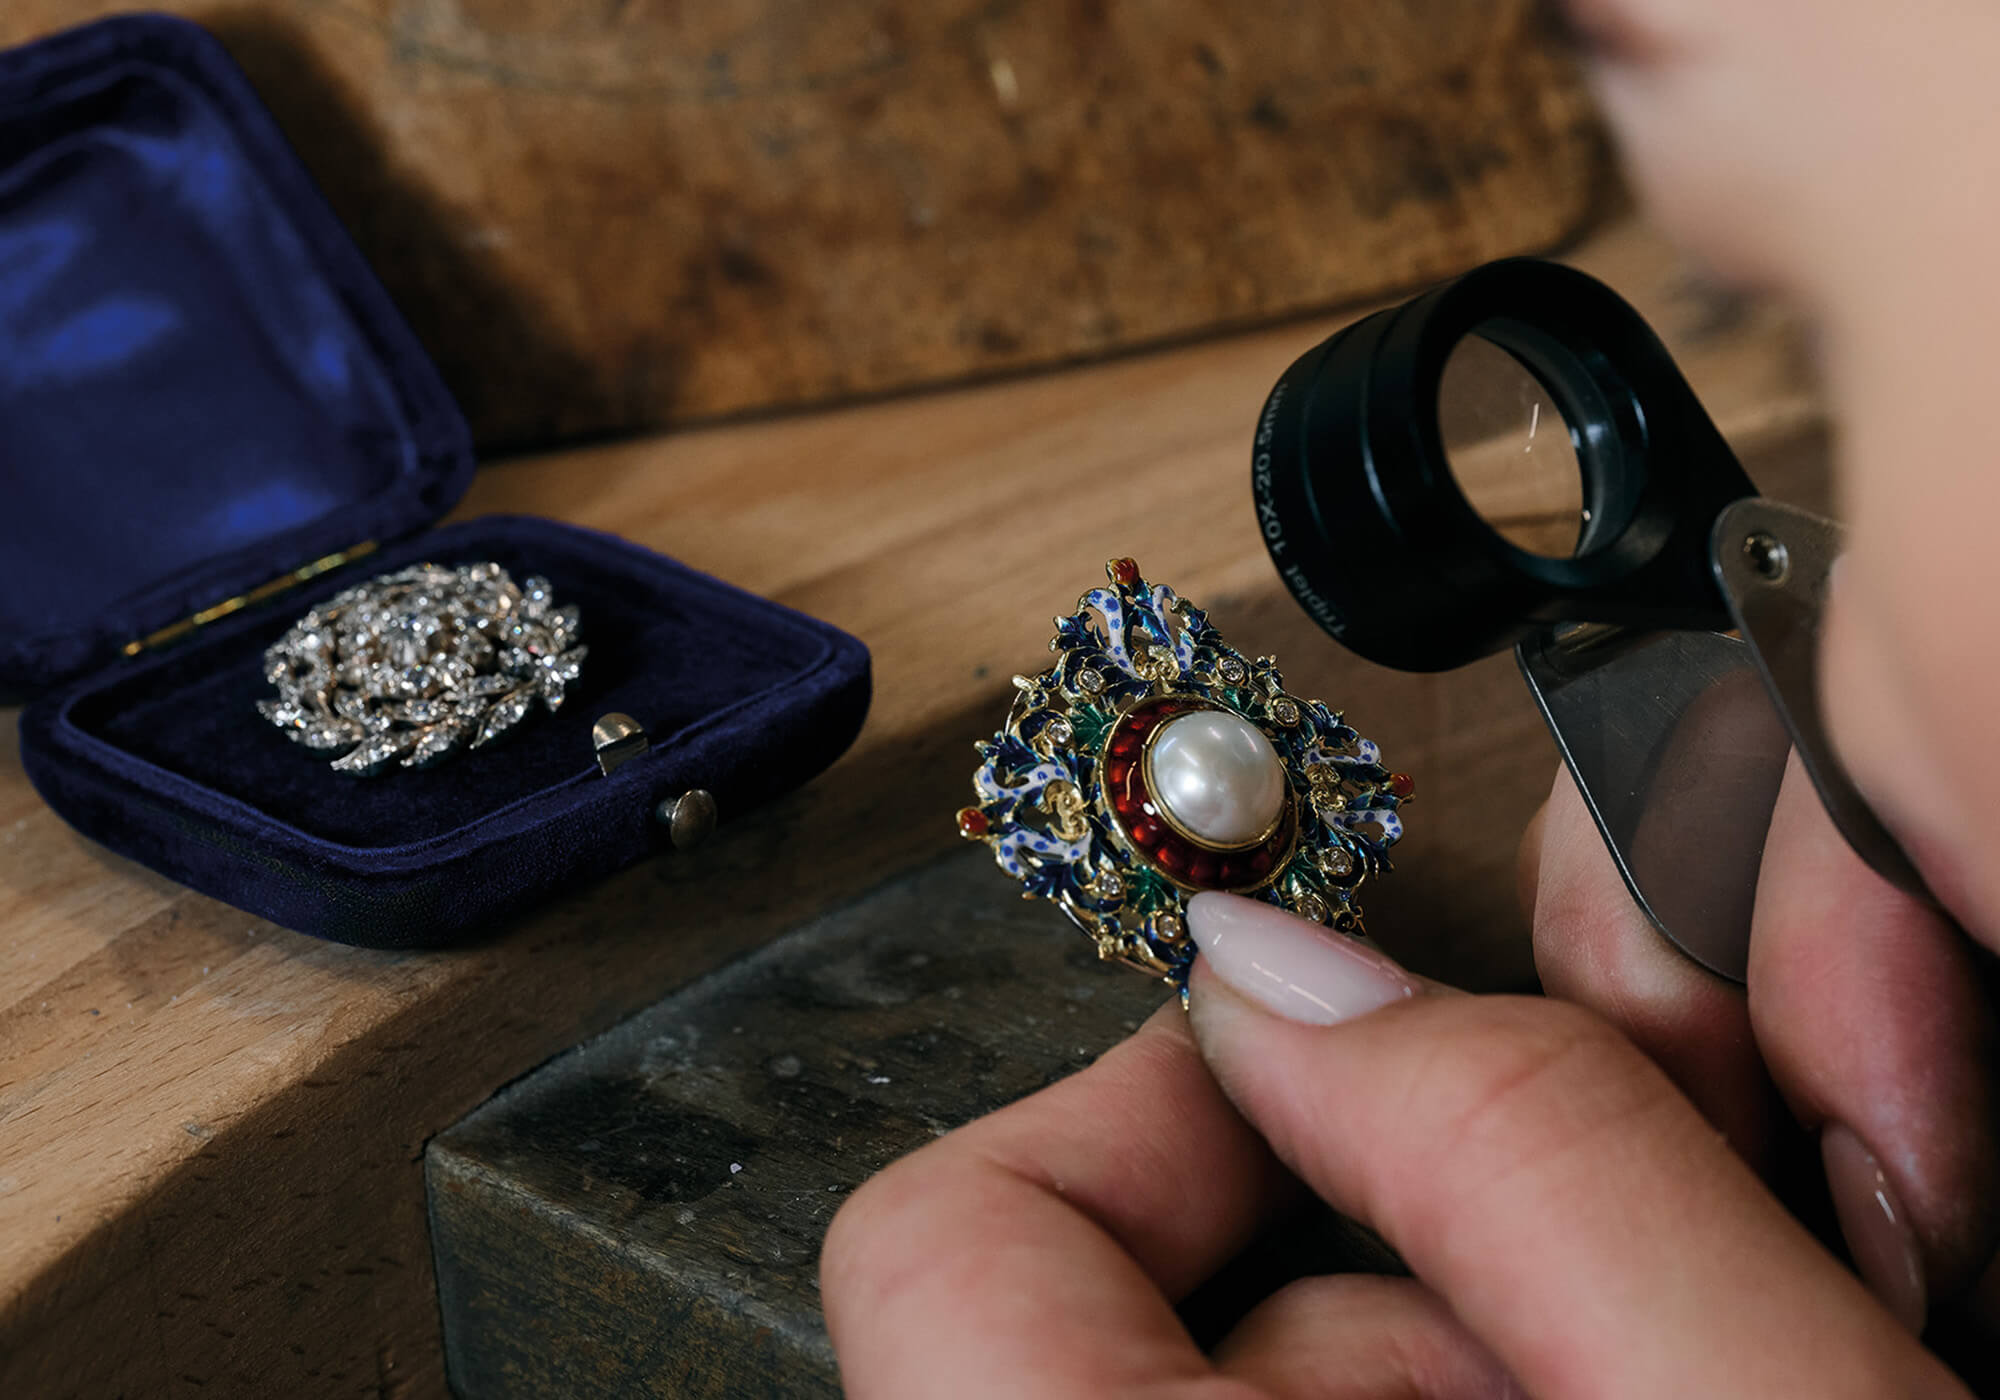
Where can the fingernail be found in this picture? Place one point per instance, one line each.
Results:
(1878, 1232)
(1290, 965)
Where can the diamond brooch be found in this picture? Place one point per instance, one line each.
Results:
(1153, 761)
(413, 666)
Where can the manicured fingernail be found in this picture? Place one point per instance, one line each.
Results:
(1292, 966)
(1878, 1232)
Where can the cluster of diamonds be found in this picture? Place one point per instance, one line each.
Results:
(413, 666)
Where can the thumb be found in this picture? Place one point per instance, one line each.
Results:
(1535, 1170)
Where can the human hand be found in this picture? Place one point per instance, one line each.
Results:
(1574, 1226)
(1864, 1016)
(1840, 154)
(1843, 155)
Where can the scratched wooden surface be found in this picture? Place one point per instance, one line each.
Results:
(211, 1129)
(607, 216)
(644, 1217)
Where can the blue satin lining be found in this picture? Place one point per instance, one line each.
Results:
(175, 379)
(201, 384)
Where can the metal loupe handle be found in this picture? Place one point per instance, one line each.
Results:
(1676, 731)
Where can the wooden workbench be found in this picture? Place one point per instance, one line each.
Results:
(210, 1128)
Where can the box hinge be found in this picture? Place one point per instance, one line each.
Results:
(174, 632)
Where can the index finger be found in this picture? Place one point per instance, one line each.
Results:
(1538, 1172)
(1039, 1250)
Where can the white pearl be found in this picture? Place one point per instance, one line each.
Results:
(1216, 776)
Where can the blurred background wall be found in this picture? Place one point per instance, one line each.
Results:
(610, 215)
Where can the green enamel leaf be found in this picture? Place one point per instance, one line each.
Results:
(1147, 892)
(1089, 723)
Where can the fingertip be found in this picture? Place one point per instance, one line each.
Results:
(1291, 966)
(1868, 1010)
(1877, 1228)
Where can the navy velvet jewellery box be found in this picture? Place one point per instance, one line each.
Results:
(204, 389)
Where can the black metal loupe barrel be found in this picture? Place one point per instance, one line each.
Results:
(1374, 534)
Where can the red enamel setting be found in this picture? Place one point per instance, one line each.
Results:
(1125, 572)
(971, 823)
(1187, 863)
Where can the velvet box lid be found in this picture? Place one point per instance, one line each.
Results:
(204, 389)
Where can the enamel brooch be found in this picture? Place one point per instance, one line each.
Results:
(1154, 761)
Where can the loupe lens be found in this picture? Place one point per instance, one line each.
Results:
(1510, 449)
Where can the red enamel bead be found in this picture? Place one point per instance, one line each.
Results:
(1174, 857)
(1403, 785)
(1205, 869)
(1235, 871)
(1125, 745)
(1147, 833)
(971, 823)
(1125, 571)
(1260, 860)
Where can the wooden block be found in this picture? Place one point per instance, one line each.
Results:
(643, 1217)
(611, 216)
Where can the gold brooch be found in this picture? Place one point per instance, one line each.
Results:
(1153, 761)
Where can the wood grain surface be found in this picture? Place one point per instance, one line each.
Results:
(644, 1217)
(211, 1129)
(602, 217)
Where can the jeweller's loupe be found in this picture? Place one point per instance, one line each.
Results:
(1671, 643)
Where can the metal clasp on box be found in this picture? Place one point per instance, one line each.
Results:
(689, 818)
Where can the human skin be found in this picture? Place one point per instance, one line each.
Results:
(1575, 1227)
(1551, 1168)
(1846, 157)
